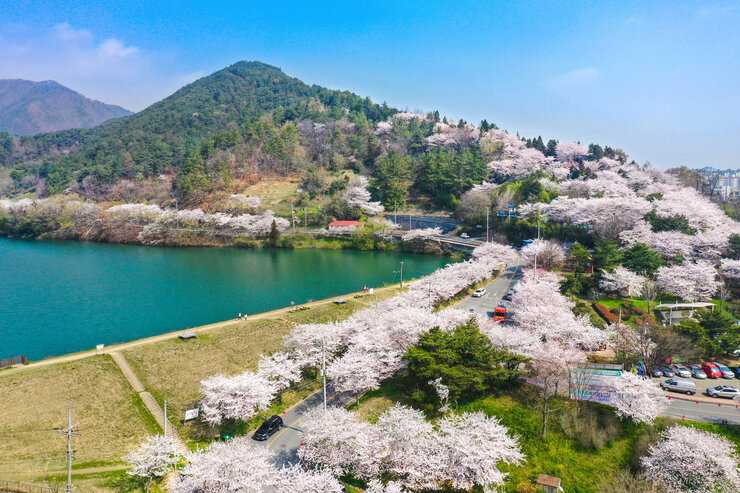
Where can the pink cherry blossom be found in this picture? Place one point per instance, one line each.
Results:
(688, 460)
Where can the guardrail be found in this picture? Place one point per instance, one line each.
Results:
(16, 487)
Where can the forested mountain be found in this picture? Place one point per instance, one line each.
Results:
(28, 107)
(161, 138)
(226, 131)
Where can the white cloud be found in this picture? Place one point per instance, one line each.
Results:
(573, 79)
(110, 70)
(65, 32)
(112, 49)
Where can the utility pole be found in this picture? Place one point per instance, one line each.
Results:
(69, 432)
(292, 215)
(395, 213)
(538, 241)
(305, 218)
(429, 284)
(487, 212)
(402, 272)
(323, 367)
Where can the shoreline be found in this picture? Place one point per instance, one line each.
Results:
(69, 357)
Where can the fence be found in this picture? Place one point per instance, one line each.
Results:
(15, 360)
(15, 487)
(407, 222)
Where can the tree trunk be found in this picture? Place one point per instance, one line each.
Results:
(545, 412)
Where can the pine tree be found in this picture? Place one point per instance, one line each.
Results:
(274, 234)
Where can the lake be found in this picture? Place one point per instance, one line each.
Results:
(58, 297)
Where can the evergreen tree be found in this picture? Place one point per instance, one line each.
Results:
(274, 234)
(392, 178)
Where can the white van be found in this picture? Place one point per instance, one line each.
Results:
(674, 385)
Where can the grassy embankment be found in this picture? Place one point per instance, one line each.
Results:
(112, 418)
(585, 451)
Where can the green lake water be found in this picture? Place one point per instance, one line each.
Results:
(58, 297)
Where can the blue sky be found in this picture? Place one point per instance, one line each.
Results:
(658, 79)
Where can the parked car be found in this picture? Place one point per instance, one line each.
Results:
(508, 295)
(681, 371)
(479, 292)
(667, 372)
(698, 373)
(723, 391)
(711, 370)
(656, 373)
(464, 235)
(268, 428)
(736, 370)
(726, 372)
(674, 385)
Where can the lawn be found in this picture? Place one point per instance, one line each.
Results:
(583, 451)
(111, 417)
(173, 369)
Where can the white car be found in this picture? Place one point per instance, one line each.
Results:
(479, 292)
(464, 235)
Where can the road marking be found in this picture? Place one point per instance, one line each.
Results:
(284, 430)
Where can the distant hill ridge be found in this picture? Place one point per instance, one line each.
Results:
(28, 107)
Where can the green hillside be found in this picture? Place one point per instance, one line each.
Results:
(160, 138)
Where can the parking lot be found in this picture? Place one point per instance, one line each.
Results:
(703, 385)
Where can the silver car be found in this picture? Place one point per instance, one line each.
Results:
(698, 374)
(681, 371)
(726, 372)
(723, 391)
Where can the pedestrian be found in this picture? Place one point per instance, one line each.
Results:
(245, 316)
(240, 316)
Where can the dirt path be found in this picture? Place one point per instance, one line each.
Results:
(151, 404)
(171, 335)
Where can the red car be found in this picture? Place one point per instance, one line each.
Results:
(711, 370)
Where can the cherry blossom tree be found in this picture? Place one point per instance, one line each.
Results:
(688, 460)
(539, 308)
(337, 441)
(425, 234)
(636, 397)
(443, 392)
(154, 458)
(731, 268)
(622, 281)
(549, 254)
(376, 486)
(238, 397)
(569, 152)
(473, 447)
(689, 281)
(296, 478)
(357, 195)
(225, 467)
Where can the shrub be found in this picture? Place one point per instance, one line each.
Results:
(604, 312)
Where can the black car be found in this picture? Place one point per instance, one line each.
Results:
(736, 370)
(270, 426)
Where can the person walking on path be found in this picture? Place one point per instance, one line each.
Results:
(240, 316)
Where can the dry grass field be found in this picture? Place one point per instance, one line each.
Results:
(173, 369)
(33, 402)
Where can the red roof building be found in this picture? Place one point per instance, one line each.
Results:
(344, 226)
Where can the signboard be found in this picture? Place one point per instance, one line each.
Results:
(191, 414)
(590, 384)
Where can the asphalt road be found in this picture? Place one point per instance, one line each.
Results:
(495, 290)
(286, 442)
